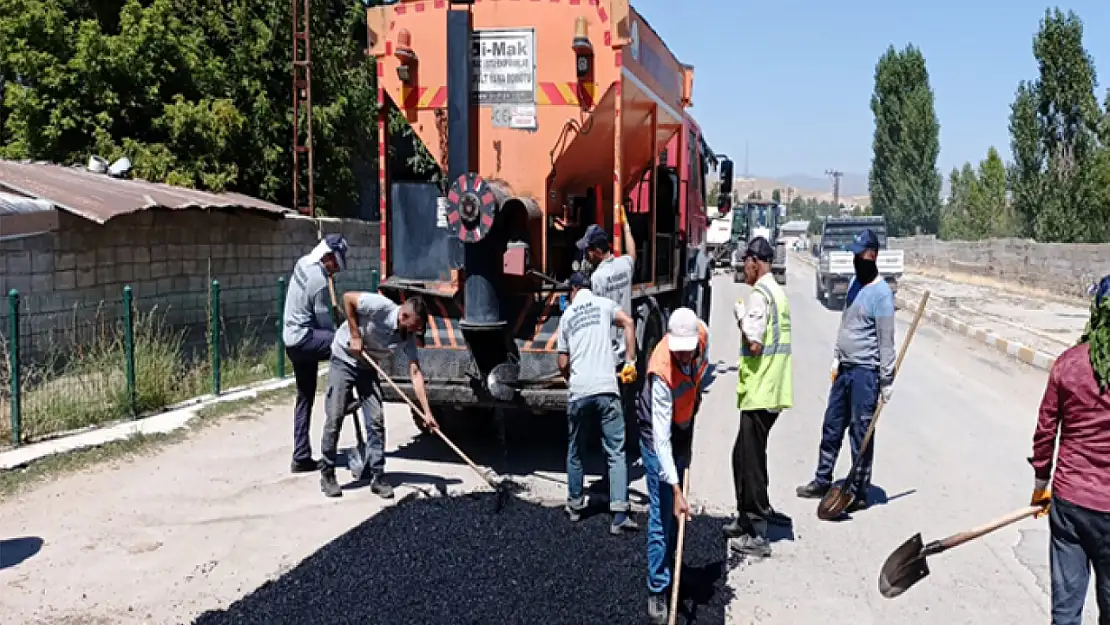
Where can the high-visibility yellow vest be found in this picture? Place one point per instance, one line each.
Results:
(766, 381)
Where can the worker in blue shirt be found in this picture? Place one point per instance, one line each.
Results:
(862, 369)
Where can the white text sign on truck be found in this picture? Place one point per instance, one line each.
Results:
(503, 66)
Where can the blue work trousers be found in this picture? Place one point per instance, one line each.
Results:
(607, 410)
(662, 530)
(1079, 543)
(852, 400)
(306, 357)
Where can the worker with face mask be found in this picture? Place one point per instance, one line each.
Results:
(862, 369)
(1075, 416)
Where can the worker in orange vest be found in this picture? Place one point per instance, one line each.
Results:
(665, 411)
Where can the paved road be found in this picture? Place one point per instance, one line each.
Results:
(161, 538)
(950, 455)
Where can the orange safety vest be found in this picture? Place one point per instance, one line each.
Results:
(684, 388)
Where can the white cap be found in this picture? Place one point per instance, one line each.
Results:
(682, 330)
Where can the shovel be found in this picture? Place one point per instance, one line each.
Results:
(837, 500)
(499, 485)
(356, 460)
(906, 565)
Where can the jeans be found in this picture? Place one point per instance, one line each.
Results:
(606, 408)
(306, 357)
(749, 467)
(662, 530)
(342, 379)
(852, 400)
(1080, 541)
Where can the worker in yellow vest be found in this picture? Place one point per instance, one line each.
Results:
(764, 389)
(665, 409)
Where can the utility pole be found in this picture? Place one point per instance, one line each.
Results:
(302, 100)
(836, 176)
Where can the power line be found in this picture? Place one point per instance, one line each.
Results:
(302, 100)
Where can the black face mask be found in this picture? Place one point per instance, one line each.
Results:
(866, 270)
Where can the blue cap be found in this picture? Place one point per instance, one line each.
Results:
(594, 237)
(337, 245)
(578, 280)
(865, 240)
(1100, 290)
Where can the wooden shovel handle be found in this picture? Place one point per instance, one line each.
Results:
(955, 540)
(420, 413)
(678, 548)
(334, 301)
(897, 365)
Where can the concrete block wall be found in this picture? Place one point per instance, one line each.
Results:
(72, 277)
(1062, 269)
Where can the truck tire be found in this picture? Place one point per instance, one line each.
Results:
(819, 293)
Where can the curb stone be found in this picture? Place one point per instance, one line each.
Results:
(174, 418)
(1016, 349)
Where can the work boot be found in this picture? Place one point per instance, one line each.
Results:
(574, 512)
(307, 465)
(735, 529)
(328, 485)
(657, 608)
(813, 490)
(622, 523)
(380, 487)
(751, 545)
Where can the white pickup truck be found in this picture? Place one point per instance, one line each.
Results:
(835, 267)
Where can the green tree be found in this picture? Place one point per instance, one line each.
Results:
(904, 181)
(993, 205)
(1026, 173)
(194, 92)
(1068, 204)
(953, 217)
(776, 196)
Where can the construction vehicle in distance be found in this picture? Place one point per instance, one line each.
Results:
(543, 118)
(835, 265)
(758, 218)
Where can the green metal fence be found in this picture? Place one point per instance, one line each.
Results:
(132, 353)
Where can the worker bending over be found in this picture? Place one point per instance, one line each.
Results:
(763, 390)
(1075, 412)
(612, 278)
(676, 376)
(862, 368)
(375, 327)
(586, 361)
(307, 331)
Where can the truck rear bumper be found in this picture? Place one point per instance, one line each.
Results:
(464, 396)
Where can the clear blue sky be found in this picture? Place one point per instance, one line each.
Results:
(794, 77)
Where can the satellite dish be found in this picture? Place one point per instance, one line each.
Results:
(120, 168)
(97, 165)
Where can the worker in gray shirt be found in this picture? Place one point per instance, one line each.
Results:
(307, 331)
(586, 361)
(612, 278)
(862, 370)
(375, 327)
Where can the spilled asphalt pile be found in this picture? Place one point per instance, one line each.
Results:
(452, 560)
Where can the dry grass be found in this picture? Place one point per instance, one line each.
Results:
(81, 381)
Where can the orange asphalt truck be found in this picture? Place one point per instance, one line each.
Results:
(543, 117)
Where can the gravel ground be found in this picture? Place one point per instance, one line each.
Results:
(453, 560)
(1049, 326)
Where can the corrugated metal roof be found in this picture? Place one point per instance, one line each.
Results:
(99, 197)
(18, 205)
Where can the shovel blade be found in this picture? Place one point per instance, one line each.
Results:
(904, 567)
(835, 502)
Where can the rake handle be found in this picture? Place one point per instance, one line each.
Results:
(955, 540)
(897, 366)
(678, 550)
(420, 413)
